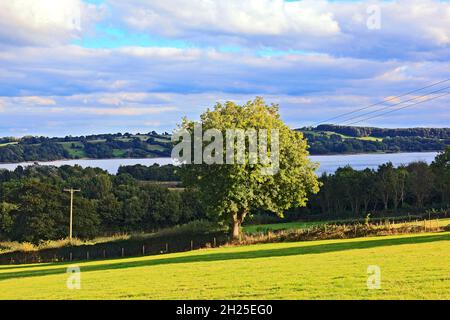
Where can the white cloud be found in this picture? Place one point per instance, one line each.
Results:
(44, 22)
(336, 64)
(255, 17)
(35, 100)
(121, 98)
(124, 111)
(408, 27)
(2, 105)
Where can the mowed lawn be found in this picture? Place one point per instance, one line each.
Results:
(412, 267)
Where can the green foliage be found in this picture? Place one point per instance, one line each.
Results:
(325, 139)
(388, 189)
(329, 269)
(440, 133)
(34, 208)
(233, 190)
(151, 173)
(93, 146)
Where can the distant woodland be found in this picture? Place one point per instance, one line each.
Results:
(102, 146)
(33, 206)
(323, 139)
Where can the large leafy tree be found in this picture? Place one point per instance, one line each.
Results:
(232, 191)
(441, 168)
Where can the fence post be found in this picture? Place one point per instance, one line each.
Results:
(70, 256)
(104, 253)
(167, 247)
(143, 249)
(87, 255)
(215, 244)
(192, 245)
(123, 252)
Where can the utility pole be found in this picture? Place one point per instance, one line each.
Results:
(71, 191)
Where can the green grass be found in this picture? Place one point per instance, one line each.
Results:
(249, 229)
(118, 153)
(335, 269)
(75, 153)
(8, 143)
(153, 147)
(280, 226)
(343, 136)
(370, 138)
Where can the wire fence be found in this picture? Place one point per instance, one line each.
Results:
(117, 249)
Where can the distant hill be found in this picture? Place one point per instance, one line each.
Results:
(324, 139)
(333, 139)
(102, 146)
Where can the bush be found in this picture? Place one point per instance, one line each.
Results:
(193, 227)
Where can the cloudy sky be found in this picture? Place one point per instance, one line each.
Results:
(100, 66)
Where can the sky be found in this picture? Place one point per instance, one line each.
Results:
(77, 67)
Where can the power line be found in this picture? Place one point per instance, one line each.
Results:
(410, 105)
(393, 105)
(381, 102)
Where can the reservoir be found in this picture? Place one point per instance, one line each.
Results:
(328, 163)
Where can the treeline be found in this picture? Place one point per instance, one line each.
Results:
(102, 146)
(409, 188)
(33, 206)
(154, 172)
(436, 133)
(324, 139)
(46, 151)
(325, 144)
(328, 138)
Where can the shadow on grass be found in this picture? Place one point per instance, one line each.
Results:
(252, 254)
(25, 266)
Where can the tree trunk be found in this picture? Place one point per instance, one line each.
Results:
(236, 229)
(386, 202)
(236, 225)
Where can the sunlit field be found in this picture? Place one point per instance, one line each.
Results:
(412, 267)
(307, 224)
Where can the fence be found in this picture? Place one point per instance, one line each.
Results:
(117, 249)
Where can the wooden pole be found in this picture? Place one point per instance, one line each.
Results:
(71, 191)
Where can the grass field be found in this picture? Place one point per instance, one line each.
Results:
(343, 136)
(8, 144)
(412, 267)
(281, 226)
(307, 224)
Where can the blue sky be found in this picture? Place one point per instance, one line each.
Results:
(80, 67)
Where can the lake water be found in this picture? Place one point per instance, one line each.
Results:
(327, 163)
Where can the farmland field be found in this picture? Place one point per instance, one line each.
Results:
(308, 224)
(281, 226)
(412, 267)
